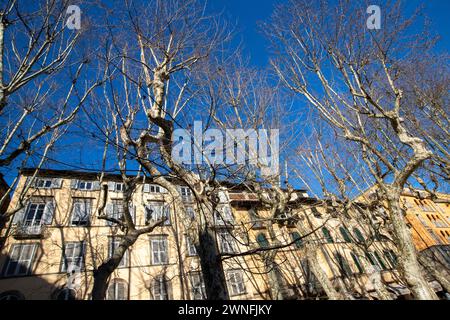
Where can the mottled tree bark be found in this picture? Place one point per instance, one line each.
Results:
(408, 263)
(104, 271)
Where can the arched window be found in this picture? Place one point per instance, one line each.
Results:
(66, 294)
(344, 268)
(117, 290)
(297, 238)
(357, 262)
(161, 288)
(345, 234)
(358, 235)
(11, 295)
(262, 240)
(327, 235)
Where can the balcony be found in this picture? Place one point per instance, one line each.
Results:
(27, 231)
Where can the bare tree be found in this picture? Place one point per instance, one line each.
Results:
(37, 56)
(355, 79)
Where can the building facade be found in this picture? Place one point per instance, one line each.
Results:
(55, 241)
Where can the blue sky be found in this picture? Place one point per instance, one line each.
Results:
(247, 13)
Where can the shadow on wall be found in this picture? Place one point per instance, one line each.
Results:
(18, 283)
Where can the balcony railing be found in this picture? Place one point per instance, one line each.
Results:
(30, 231)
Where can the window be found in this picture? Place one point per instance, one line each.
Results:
(425, 206)
(197, 286)
(227, 242)
(373, 261)
(380, 261)
(11, 295)
(255, 219)
(43, 183)
(357, 262)
(391, 257)
(153, 188)
(114, 243)
(295, 236)
(327, 235)
(344, 268)
(223, 216)
(262, 240)
(85, 185)
(345, 234)
(190, 212)
(20, 260)
(158, 249)
(34, 213)
(120, 187)
(73, 257)
(67, 294)
(191, 250)
(316, 213)
(358, 235)
(160, 288)
(117, 290)
(156, 211)
(38, 212)
(186, 194)
(236, 282)
(115, 210)
(81, 212)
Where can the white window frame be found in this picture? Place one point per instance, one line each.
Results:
(117, 207)
(40, 205)
(162, 284)
(186, 194)
(154, 188)
(68, 264)
(223, 216)
(44, 181)
(227, 242)
(190, 247)
(198, 289)
(28, 261)
(112, 245)
(117, 283)
(159, 210)
(85, 185)
(86, 203)
(159, 251)
(236, 282)
(119, 187)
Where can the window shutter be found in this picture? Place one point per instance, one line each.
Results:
(96, 185)
(74, 184)
(223, 197)
(166, 212)
(57, 183)
(133, 213)
(111, 186)
(49, 211)
(146, 187)
(109, 212)
(18, 216)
